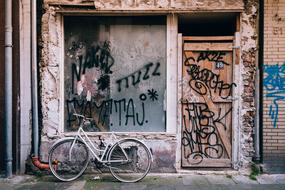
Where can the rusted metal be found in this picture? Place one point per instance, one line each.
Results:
(41, 165)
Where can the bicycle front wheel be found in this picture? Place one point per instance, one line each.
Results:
(129, 160)
(68, 159)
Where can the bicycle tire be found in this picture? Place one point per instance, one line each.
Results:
(139, 162)
(61, 166)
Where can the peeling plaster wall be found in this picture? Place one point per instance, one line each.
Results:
(163, 145)
(248, 69)
(49, 72)
(154, 4)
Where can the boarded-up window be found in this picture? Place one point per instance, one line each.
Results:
(115, 72)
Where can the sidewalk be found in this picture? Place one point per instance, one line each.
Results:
(152, 181)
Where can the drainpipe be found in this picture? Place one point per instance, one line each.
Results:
(34, 79)
(260, 64)
(35, 158)
(259, 88)
(8, 87)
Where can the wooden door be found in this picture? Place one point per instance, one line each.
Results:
(207, 73)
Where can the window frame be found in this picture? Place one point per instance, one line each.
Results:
(171, 76)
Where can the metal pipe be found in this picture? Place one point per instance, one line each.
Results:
(43, 166)
(260, 60)
(8, 87)
(35, 158)
(34, 79)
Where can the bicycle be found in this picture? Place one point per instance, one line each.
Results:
(129, 159)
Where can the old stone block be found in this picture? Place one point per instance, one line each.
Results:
(153, 4)
(145, 3)
(162, 3)
(163, 155)
(219, 179)
(128, 3)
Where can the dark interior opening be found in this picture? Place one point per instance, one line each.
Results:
(207, 24)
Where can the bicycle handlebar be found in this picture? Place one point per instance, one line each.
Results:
(82, 116)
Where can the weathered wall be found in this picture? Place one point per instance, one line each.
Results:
(155, 4)
(164, 145)
(274, 86)
(248, 69)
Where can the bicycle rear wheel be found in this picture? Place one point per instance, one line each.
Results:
(68, 159)
(129, 160)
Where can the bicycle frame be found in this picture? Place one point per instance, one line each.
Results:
(118, 151)
(92, 147)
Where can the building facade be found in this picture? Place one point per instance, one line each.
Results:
(179, 75)
(188, 77)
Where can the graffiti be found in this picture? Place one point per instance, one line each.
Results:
(90, 93)
(203, 79)
(152, 94)
(126, 111)
(213, 56)
(274, 83)
(200, 134)
(206, 123)
(142, 74)
(97, 56)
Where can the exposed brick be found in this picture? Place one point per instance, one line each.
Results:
(274, 43)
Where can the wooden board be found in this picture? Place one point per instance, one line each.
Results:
(207, 75)
(208, 38)
(208, 46)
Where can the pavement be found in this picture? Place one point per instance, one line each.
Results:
(192, 181)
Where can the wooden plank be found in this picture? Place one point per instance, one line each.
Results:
(208, 47)
(238, 23)
(221, 132)
(208, 38)
(237, 48)
(179, 97)
(211, 163)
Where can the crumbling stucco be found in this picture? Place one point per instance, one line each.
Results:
(49, 72)
(154, 4)
(161, 145)
(248, 68)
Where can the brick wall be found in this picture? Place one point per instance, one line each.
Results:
(274, 86)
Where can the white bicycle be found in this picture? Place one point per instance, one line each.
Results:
(129, 160)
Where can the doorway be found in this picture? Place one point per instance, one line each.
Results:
(207, 89)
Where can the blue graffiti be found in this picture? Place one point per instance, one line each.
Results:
(274, 83)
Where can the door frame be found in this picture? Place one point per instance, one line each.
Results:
(236, 94)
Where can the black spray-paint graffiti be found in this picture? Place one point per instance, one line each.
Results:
(127, 112)
(203, 122)
(142, 74)
(216, 57)
(200, 135)
(97, 56)
(201, 80)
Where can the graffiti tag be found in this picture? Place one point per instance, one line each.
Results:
(274, 83)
